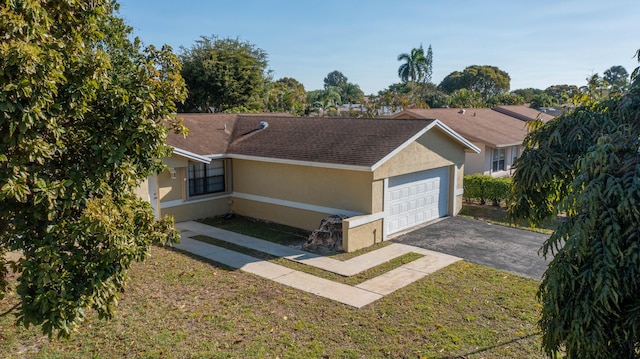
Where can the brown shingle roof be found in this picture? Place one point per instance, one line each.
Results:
(207, 135)
(482, 125)
(345, 141)
(523, 113)
(342, 141)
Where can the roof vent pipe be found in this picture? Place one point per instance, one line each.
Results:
(263, 125)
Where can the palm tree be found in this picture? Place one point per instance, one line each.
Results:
(417, 66)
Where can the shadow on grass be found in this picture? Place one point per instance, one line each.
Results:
(486, 349)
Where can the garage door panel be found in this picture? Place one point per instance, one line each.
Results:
(417, 198)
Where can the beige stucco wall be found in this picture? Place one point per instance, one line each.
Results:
(170, 189)
(142, 190)
(202, 209)
(432, 150)
(294, 217)
(361, 236)
(459, 188)
(377, 194)
(176, 161)
(333, 188)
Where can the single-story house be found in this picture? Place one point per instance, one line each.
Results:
(385, 175)
(498, 132)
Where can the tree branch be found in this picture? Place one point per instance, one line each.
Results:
(9, 310)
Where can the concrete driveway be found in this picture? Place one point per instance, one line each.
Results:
(505, 248)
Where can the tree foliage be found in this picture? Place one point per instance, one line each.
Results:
(223, 74)
(286, 95)
(562, 94)
(487, 80)
(527, 94)
(617, 77)
(542, 100)
(81, 105)
(338, 89)
(417, 66)
(586, 164)
(465, 98)
(335, 79)
(411, 95)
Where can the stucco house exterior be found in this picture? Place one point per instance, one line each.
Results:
(498, 132)
(385, 175)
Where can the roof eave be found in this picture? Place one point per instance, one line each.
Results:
(191, 155)
(503, 145)
(300, 163)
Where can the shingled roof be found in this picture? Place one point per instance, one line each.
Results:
(523, 113)
(338, 141)
(482, 125)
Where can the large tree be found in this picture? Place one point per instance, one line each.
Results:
(224, 75)
(527, 94)
(335, 79)
(84, 119)
(417, 66)
(617, 77)
(562, 94)
(487, 80)
(286, 95)
(586, 165)
(349, 93)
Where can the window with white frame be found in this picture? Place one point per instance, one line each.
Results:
(515, 153)
(498, 160)
(206, 178)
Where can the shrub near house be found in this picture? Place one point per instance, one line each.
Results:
(481, 188)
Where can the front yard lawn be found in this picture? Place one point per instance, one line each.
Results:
(177, 306)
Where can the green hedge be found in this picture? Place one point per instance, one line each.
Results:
(482, 188)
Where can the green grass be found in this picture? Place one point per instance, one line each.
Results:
(178, 306)
(274, 232)
(498, 215)
(277, 233)
(352, 280)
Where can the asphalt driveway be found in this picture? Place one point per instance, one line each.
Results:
(510, 249)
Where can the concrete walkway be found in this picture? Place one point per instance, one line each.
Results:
(357, 296)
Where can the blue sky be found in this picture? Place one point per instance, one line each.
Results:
(539, 43)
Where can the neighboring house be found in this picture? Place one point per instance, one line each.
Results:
(386, 175)
(498, 135)
(524, 113)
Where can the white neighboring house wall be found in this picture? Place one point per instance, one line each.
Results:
(510, 154)
(475, 162)
(482, 162)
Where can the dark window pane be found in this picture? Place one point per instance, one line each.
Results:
(206, 178)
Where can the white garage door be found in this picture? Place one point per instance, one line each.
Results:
(416, 198)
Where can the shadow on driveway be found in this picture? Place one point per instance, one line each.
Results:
(505, 248)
